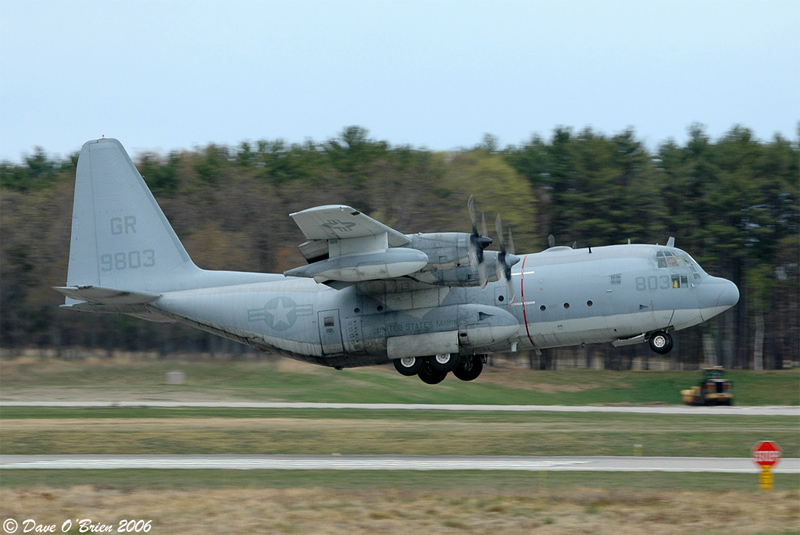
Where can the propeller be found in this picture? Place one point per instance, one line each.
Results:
(477, 243)
(506, 258)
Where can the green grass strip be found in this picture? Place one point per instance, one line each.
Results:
(365, 480)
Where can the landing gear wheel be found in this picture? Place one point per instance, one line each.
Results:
(409, 366)
(444, 362)
(431, 376)
(660, 342)
(469, 368)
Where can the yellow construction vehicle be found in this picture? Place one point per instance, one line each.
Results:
(714, 389)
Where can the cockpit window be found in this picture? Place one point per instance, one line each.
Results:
(662, 256)
(678, 259)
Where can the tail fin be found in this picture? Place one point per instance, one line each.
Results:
(120, 237)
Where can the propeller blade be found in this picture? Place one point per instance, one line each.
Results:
(477, 243)
(498, 226)
(504, 263)
(471, 208)
(484, 277)
(504, 275)
(511, 248)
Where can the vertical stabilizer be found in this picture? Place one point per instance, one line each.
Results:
(120, 237)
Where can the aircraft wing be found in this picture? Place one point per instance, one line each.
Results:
(342, 222)
(348, 246)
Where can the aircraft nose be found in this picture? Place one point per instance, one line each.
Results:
(729, 295)
(715, 296)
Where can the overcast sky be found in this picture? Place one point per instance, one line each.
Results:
(162, 75)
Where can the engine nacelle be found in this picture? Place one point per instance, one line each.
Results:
(445, 250)
(448, 259)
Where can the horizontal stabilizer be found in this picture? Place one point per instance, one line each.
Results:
(106, 296)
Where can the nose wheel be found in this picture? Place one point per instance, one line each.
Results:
(660, 342)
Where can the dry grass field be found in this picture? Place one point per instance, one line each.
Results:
(388, 511)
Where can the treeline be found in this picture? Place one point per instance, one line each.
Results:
(733, 203)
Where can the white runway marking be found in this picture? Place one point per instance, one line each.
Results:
(392, 462)
(773, 410)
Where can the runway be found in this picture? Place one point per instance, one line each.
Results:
(392, 462)
(768, 410)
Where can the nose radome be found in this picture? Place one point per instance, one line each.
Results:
(729, 295)
(715, 296)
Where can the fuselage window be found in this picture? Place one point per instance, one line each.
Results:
(680, 281)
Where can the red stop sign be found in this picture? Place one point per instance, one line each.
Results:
(766, 453)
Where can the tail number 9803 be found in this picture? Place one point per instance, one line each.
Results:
(128, 260)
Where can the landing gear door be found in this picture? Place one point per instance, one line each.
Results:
(330, 332)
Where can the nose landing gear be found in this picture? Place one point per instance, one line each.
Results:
(660, 342)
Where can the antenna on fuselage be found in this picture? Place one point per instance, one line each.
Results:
(551, 241)
(671, 241)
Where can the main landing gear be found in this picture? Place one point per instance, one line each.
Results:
(433, 370)
(660, 342)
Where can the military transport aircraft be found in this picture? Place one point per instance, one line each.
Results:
(428, 303)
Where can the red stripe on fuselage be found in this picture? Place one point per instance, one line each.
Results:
(522, 295)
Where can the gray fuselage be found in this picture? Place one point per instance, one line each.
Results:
(563, 297)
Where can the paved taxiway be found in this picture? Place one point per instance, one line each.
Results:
(767, 410)
(393, 462)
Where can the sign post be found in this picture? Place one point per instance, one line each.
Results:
(766, 454)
